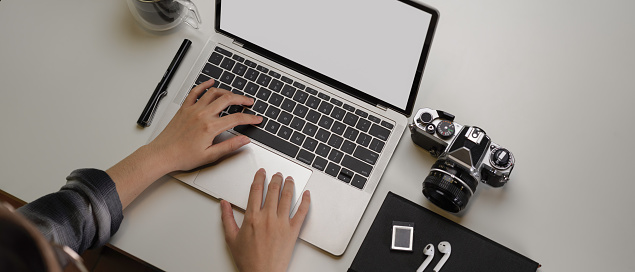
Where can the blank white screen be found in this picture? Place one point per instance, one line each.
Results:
(371, 45)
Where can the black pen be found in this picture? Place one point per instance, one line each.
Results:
(161, 90)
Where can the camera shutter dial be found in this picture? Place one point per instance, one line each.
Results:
(501, 158)
(445, 129)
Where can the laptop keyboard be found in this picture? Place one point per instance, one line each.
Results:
(303, 123)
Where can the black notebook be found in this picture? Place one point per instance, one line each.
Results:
(470, 250)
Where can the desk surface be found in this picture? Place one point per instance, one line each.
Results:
(551, 80)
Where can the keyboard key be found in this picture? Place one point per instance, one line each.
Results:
(310, 129)
(313, 116)
(227, 64)
(202, 78)
(298, 85)
(325, 108)
(268, 139)
(345, 175)
(263, 80)
(276, 85)
(238, 92)
(239, 69)
(251, 88)
(336, 102)
(272, 126)
(259, 107)
(285, 118)
(263, 123)
(379, 132)
(349, 108)
(374, 119)
(238, 58)
(305, 157)
(361, 113)
(297, 138)
(276, 99)
(338, 128)
(274, 74)
(262, 69)
(358, 181)
(311, 91)
(357, 165)
(332, 169)
(336, 156)
(297, 123)
(287, 91)
(263, 94)
(323, 150)
(234, 109)
(300, 110)
(225, 87)
(223, 51)
(286, 80)
(252, 74)
(313, 102)
(310, 144)
(239, 83)
(387, 125)
(216, 58)
(351, 133)
(335, 141)
(285, 132)
(250, 63)
(288, 105)
(366, 155)
(350, 119)
(320, 163)
(363, 139)
(212, 71)
(322, 135)
(363, 125)
(227, 77)
(324, 96)
(300, 96)
(325, 122)
(272, 112)
(376, 145)
(348, 147)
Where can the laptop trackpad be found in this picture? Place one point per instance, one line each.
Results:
(230, 178)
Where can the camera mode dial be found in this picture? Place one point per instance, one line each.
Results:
(501, 158)
(445, 129)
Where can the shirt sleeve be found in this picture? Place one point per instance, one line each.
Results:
(83, 214)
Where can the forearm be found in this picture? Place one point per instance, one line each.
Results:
(136, 172)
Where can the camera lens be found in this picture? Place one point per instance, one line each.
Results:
(449, 187)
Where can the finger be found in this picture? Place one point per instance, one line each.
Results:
(223, 148)
(303, 209)
(197, 91)
(286, 198)
(273, 192)
(228, 99)
(229, 222)
(211, 96)
(235, 119)
(255, 192)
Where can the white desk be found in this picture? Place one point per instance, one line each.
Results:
(551, 80)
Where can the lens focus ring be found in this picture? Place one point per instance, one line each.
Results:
(447, 195)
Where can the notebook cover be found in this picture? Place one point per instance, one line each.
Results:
(470, 250)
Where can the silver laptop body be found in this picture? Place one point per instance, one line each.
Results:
(338, 200)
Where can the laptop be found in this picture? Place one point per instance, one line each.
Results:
(335, 81)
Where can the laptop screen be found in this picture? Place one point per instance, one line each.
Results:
(375, 50)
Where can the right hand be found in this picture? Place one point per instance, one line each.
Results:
(186, 142)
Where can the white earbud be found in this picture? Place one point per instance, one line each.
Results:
(445, 248)
(428, 251)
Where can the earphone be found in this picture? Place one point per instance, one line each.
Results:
(446, 249)
(428, 251)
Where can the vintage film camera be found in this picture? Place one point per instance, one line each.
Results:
(465, 155)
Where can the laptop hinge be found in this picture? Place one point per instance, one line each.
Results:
(237, 43)
(384, 108)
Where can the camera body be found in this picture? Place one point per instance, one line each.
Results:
(466, 155)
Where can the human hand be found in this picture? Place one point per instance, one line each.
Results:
(265, 241)
(186, 142)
